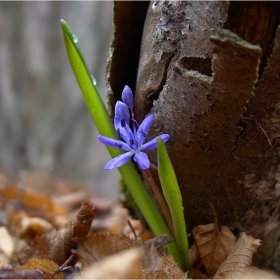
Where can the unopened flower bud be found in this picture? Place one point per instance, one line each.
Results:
(127, 97)
(122, 111)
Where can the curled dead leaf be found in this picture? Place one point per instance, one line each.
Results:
(213, 245)
(57, 245)
(83, 221)
(239, 259)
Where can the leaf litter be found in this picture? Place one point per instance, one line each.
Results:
(56, 229)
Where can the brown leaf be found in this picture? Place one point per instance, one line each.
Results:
(195, 258)
(83, 221)
(33, 199)
(255, 273)
(123, 265)
(157, 266)
(158, 241)
(97, 246)
(50, 270)
(153, 264)
(239, 259)
(6, 245)
(213, 245)
(56, 245)
(30, 227)
(4, 265)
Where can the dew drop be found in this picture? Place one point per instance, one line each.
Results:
(93, 80)
(74, 38)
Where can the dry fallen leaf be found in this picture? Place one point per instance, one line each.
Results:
(98, 246)
(154, 264)
(157, 266)
(255, 273)
(33, 200)
(4, 265)
(83, 221)
(30, 227)
(196, 263)
(239, 259)
(49, 269)
(157, 241)
(213, 245)
(122, 265)
(56, 245)
(6, 245)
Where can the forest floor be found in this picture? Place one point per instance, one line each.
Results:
(53, 228)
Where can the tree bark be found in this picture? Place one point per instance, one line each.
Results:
(209, 71)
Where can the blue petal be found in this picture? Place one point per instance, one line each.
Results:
(143, 130)
(117, 122)
(135, 125)
(152, 144)
(128, 137)
(142, 159)
(113, 143)
(118, 161)
(122, 111)
(127, 97)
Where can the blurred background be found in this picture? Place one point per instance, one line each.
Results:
(44, 122)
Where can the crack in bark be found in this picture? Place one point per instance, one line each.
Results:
(153, 96)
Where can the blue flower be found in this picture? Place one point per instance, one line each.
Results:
(132, 144)
(122, 111)
(127, 97)
(133, 141)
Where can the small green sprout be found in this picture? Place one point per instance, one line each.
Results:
(172, 194)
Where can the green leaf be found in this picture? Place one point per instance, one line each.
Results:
(106, 128)
(89, 91)
(172, 194)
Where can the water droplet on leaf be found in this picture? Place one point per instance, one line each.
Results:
(93, 80)
(74, 38)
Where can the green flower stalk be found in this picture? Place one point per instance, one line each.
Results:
(132, 144)
(104, 125)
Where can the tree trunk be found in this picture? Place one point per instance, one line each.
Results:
(209, 71)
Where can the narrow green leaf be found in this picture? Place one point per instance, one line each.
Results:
(104, 125)
(89, 91)
(172, 194)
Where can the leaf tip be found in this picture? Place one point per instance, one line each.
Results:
(62, 22)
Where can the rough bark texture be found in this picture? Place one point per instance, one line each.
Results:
(129, 18)
(217, 95)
